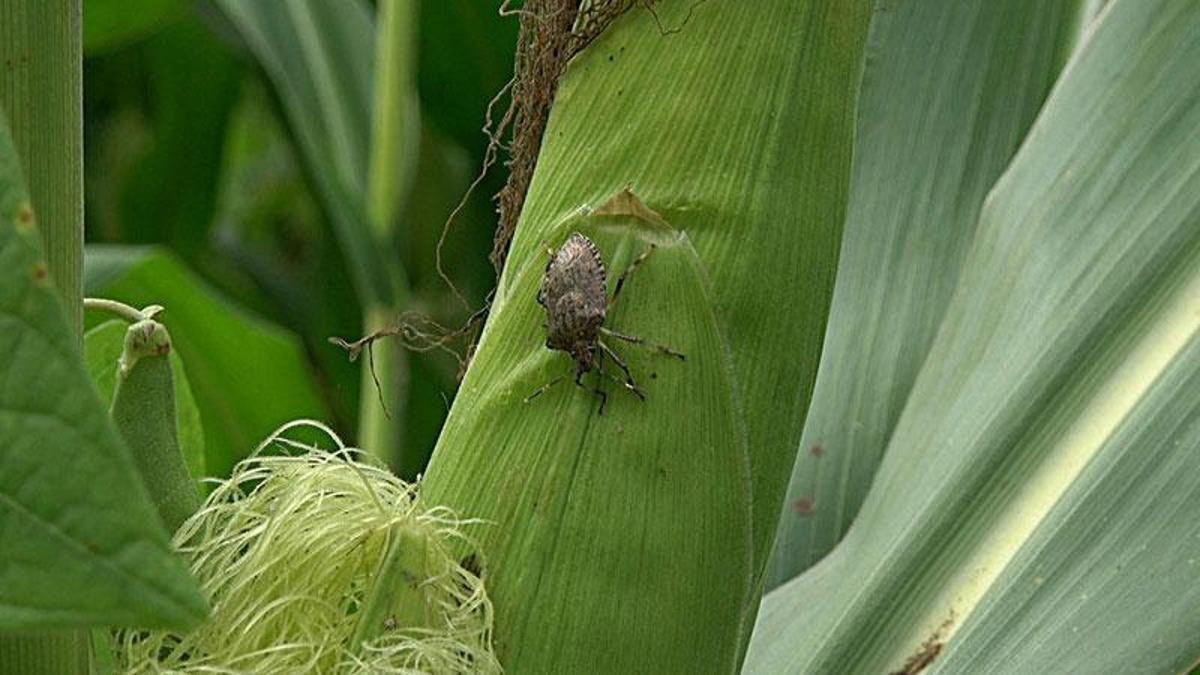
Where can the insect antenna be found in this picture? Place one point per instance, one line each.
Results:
(629, 270)
(542, 389)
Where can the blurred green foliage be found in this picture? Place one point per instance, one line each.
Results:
(187, 148)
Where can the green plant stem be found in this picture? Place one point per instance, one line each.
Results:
(120, 309)
(41, 92)
(394, 142)
(395, 122)
(44, 653)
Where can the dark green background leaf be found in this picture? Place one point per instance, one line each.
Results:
(110, 24)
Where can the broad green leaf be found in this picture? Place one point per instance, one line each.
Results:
(949, 91)
(80, 543)
(247, 376)
(110, 24)
(634, 540)
(1037, 509)
(102, 347)
(318, 57)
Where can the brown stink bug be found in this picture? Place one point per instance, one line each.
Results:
(575, 295)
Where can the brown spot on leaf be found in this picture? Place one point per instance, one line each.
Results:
(921, 660)
(40, 271)
(929, 650)
(804, 506)
(817, 450)
(24, 217)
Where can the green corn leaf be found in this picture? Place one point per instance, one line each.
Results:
(1038, 507)
(633, 541)
(318, 56)
(949, 91)
(80, 543)
(248, 377)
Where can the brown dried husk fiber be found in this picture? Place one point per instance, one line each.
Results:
(552, 31)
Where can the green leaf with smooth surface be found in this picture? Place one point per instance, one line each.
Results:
(625, 541)
(1037, 507)
(80, 543)
(102, 347)
(248, 377)
(949, 91)
(318, 56)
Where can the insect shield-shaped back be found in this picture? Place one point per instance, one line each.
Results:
(574, 294)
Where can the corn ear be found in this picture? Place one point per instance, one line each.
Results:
(634, 540)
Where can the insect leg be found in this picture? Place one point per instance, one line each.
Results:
(595, 390)
(542, 389)
(628, 383)
(641, 341)
(629, 270)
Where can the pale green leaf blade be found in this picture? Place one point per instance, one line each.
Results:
(949, 91)
(1110, 581)
(80, 543)
(248, 377)
(1036, 508)
(736, 129)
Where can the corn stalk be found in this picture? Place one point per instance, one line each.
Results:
(41, 93)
